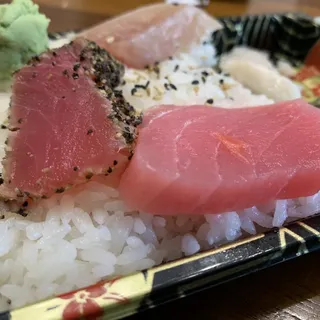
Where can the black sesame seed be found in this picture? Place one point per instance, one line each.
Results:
(203, 79)
(63, 97)
(2, 217)
(1, 181)
(172, 86)
(167, 86)
(75, 76)
(107, 75)
(139, 86)
(3, 126)
(109, 170)
(195, 82)
(65, 72)
(54, 53)
(25, 204)
(176, 68)
(89, 131)
(22, 212)
(60, 190)
(123, 82)
(221, 81)
(20, 120)
(209, 101)
(205, 73)
(115, 162)
(75, 168)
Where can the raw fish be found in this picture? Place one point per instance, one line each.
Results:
(67, 123)
(201, 160)
(152, 33)
(253, 70)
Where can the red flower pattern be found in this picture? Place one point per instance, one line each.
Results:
(83, 304)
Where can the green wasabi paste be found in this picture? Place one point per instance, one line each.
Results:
(23, 34)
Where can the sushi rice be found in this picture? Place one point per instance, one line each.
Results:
(74, 240)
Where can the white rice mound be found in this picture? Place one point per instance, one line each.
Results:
(76, 239)
(188, 79)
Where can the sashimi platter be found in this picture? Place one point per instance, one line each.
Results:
(158, 152)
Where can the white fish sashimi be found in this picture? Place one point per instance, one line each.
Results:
(258, 75)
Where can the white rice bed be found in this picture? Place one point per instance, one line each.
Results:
(72, 241)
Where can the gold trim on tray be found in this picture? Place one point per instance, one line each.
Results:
(205, 254)
(310, 229)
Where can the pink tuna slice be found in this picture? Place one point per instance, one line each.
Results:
(152, 33)
(200, 160)
(67, 123)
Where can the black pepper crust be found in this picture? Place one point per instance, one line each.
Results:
(22, 212)
(107, 70)
(89, 175)
(60, 190)
(124, 115)
(107, 73)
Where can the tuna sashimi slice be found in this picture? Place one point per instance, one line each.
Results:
(199, 160)
(67, 122)
(152, 33)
